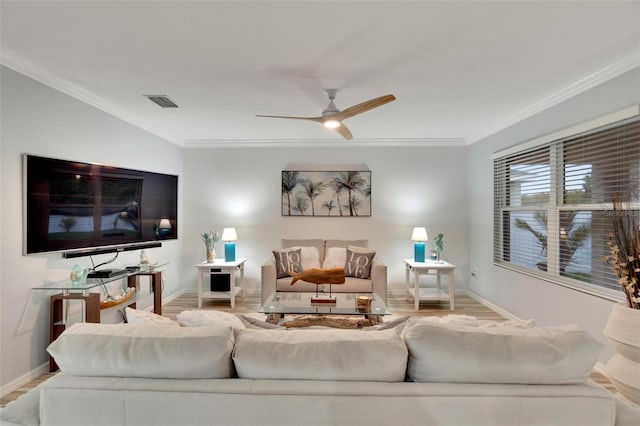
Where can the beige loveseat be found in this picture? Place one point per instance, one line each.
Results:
(376, 283)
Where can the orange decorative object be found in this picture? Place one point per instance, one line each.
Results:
(109, 303)
(319, 276)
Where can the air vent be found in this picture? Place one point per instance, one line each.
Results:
(162, 100)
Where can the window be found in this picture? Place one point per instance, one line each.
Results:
(553, 201)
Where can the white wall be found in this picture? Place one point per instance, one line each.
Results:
(39, 120)
(524, 296)
(241, 187)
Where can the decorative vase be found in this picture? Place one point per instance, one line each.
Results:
(211, 253)
(623, 329)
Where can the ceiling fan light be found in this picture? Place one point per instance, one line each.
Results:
(331, 124)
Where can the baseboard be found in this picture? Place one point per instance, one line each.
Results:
(27, 377)
(488, 304)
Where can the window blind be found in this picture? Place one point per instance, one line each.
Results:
(553, 204)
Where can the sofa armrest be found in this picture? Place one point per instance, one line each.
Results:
(267, 278)
(379, 278)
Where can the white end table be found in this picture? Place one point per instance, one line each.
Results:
(230, 268)
(429, 267)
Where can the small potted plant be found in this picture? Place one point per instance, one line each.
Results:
(210, 239)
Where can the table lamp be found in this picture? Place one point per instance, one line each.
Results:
(419, 236)
(230, 236)
(164, 228)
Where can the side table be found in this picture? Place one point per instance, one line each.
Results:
(225, 268)
(429, 267)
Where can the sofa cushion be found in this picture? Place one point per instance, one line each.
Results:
(321, 355)
(205, 318)
(335, 257)
(288, 260)
(144, 350)
(346, 243)
(358, 263)
(463, 354)
(310, 257)
(137, 316)
(317, 243)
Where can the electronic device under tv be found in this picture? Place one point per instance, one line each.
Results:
(83, 209)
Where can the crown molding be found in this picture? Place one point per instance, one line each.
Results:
(602, 75)
(321, 143)
(22, 66)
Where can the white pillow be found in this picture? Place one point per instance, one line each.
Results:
(23, 411)
(310, 257)
(335, 257)
(135, 316)
(461, 354)
(145, 350)
(321, 355)
(203, 318)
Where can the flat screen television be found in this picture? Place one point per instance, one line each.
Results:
(70, 205)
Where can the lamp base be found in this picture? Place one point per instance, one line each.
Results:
(418, 252)
(229, 252)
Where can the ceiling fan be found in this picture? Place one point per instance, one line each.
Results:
(332, 117)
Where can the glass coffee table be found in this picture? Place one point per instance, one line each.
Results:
(279, 304)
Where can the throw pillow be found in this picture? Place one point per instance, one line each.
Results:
(287, 260)
(135, 316)
(335, 257)
(310, 257)
(204, 318)
(257, 324)
(358, 263)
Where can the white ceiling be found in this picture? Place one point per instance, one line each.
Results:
(460, 70)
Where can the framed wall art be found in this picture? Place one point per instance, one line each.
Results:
(340, 193)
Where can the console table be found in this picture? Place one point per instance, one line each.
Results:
(429, 267)
(59, 303)
(225, 268)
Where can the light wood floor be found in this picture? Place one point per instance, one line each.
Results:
(250, 303)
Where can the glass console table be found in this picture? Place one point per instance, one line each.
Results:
(90, 298)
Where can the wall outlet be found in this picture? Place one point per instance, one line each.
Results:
(474, 272)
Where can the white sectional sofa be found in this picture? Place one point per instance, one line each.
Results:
(318, 253)
(411, 374)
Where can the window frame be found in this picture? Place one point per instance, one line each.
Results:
(555, 205)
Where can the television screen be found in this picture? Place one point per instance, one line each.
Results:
(72, 205)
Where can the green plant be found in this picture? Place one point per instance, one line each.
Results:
(572, 236)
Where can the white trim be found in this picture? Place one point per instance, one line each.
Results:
(625, 113)
(490, 305)
(609, 72)
(321, 143)
(27, 377)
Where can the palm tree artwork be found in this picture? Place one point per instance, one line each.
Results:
(321, 193)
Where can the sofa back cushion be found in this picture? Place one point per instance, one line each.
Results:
(317, 243)
(321, 355)
(458, 353)
(144, 350)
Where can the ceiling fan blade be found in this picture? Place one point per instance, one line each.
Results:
(365, 106)
(318, 119)
(344, 132)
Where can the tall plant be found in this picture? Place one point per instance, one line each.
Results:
(624, 247)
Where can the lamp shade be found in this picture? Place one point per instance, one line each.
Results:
(164, 224)
(229, 234)
(419, 234)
